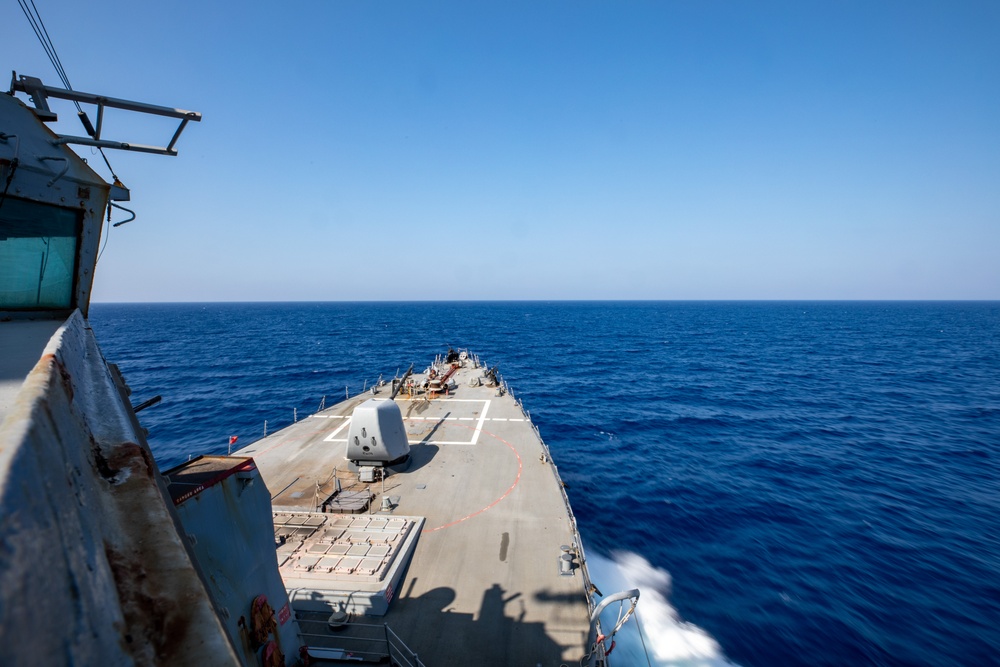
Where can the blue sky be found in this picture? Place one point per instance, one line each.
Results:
(544, 150)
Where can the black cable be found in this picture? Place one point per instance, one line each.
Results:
(110, 168)
(57, 61)
(38, 34)
(42, 33)
(107, 236)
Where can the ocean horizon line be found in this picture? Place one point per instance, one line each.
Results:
(535, 301)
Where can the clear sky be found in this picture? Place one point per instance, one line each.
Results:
(380, 150)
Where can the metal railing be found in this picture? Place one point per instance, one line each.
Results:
(399, 652)
(364, 642)
(588, 585)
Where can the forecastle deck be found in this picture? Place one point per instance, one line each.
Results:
(488, 581)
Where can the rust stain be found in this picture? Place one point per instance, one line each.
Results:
(104, 468)
(131, 455)
(64, 377)
(126, 455)
(151, 617)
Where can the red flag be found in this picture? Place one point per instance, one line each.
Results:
(232, 439)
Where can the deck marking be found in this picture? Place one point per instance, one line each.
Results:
(479, 426)
(506, 493)
(332, 437)
(337, 430)
(443, 400)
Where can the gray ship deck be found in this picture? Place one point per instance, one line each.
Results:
(484, 584)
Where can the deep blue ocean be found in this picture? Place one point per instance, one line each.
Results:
(794, 483)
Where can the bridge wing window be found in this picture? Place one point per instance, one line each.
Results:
(38, 255)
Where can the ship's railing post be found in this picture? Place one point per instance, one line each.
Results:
(399, 651)
(265, 428)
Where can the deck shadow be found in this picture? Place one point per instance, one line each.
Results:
(496, 635)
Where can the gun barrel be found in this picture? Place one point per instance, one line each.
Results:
(400, 384)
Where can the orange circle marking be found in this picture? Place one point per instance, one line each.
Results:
(505, 493)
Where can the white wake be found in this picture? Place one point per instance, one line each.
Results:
(660, 635)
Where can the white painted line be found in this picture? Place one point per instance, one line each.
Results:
(498, 419)
(515, 420)
(337, 430)
(441, 442)
(479, 426)
(418, 442)
(446, 400)
(331, 416)
(332, 437)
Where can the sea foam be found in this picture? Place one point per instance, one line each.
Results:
(657, 635)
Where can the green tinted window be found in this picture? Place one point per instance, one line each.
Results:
(38, 250)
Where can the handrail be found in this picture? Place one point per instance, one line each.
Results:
(588, 584)
(416, 660)
(389, 645)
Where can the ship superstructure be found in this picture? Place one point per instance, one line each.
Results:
(95, 568)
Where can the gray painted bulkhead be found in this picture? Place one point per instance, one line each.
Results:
(92, 567)
(231, 532)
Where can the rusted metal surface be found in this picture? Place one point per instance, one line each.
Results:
(92, 567)
(191, 478)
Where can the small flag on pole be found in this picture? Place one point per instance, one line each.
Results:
(232, 439)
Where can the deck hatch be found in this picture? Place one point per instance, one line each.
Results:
(329, 559)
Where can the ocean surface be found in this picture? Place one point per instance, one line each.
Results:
(790, 483)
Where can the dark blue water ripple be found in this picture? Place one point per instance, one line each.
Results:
(819, 478)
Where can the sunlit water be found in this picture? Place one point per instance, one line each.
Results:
(787, 483)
